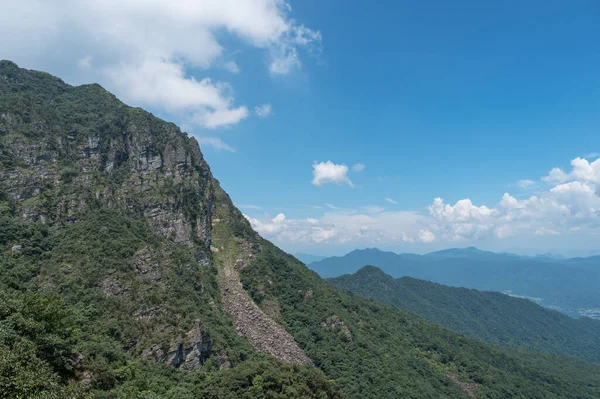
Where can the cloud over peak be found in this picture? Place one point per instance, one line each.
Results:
(155, 53)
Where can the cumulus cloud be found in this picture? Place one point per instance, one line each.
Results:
(328, 172)
(582, 170)
(391, 201)
(358, 167)
(263, 111)
(155, 53)
(571, 204)
(426, 236)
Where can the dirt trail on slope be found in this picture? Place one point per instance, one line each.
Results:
(263, 333)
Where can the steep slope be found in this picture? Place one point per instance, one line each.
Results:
(128, 272)
(106, 214)
(490, 316)
(569, 286)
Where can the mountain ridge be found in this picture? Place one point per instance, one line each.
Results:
(569, 285)
(490, 316)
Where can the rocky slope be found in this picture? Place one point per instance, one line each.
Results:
(148, 282)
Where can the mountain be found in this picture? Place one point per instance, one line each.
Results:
(569, 285)
(308, 258)
(490, 316)
(126, 271)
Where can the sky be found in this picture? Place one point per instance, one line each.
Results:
(334, 125)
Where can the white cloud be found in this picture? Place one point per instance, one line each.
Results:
(525, 183)
(358, 167)
(350, 227)
(568, 208)
(328, 172)
(571, 204)
(263, 111)
(426, 236)
(215, 142)
(154, 53)
(582, 170)
(391, 201)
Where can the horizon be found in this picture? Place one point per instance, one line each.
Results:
(418, 136)
(566, 254)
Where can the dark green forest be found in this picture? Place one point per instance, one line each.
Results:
(489, 316)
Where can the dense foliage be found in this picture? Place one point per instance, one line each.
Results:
(391, 353)
(490, 316)
(113, 239)
(56, 324)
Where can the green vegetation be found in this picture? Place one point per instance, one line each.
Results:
(392, 353)
(490, 316)
(113, 233)
(56, 323)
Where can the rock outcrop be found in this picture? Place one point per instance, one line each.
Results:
(251, 322)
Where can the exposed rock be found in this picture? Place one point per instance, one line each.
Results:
(145, 265)
(256, 326)
(187, 352)
(16, 249)
(202, 258)
(76, 359)
(334, 323)
(147, 313)
(112, 287)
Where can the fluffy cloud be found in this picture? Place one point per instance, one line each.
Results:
(358, 167)
(582, 171)
(148, 51)
(391, 201)
(570, 205)
(328, 172)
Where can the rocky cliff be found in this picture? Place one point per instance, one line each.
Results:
(64, 158)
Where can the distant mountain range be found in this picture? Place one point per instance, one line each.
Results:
(308, 258)
(569, 285)
(489, 316)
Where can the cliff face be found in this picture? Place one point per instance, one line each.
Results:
(68, 150)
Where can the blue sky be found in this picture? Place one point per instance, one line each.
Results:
(455, 100)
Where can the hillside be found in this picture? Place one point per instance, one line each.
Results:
(569, 285)
(490, 316)
(126, 271)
